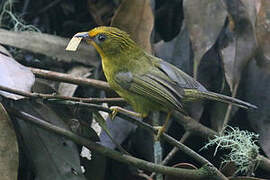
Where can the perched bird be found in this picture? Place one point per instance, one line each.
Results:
(147, 82)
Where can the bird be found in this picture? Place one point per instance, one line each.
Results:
(146, 82)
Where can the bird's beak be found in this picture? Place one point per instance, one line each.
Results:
(83, 35)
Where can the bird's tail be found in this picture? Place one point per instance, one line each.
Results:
(195, 94)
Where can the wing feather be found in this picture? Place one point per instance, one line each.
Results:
(152, 87)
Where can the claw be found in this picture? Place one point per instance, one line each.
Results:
(161, 130)
(115, 110)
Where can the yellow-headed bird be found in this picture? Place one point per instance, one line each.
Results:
(147, 82)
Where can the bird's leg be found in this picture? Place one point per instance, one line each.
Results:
(116, 109)
(162, 129)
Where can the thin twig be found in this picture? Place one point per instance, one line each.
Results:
(229, 109)
(56, 76)
(53, 96)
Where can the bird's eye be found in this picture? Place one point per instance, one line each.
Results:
(101, 37)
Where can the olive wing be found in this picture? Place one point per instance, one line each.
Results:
(177, 76)
(153, 87)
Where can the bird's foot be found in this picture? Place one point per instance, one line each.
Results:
(116, 109)
(161, 130)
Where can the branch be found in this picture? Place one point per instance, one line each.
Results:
(202, 173)
(96, 107)
(53, 96)
(149, 128)
(56, 76)
(264, 163)
(193, 126)
(189, 124)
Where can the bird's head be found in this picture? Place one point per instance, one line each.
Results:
(109, 41)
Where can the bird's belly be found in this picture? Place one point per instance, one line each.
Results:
(140, 104)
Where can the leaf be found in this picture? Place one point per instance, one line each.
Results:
(177, 51)
(263, 35)
(44, 86)
(4, 51)
(96, 167)
(242, 42)
(256, 89)
(51, 156)
(49, 45)
(211, 75)
(14, 75)
(241, 45)
(204, 20)
(101, 121)
(136, 18)
(9, 153)
(168, 19)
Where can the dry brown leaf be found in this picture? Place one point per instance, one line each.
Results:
(204, 20)
(9, 153)
(136, 18)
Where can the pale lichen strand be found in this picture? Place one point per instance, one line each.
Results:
(242, 145)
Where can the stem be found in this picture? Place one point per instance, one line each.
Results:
(195, 68)
(52, 96)
(229, 109)
(56, 76)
